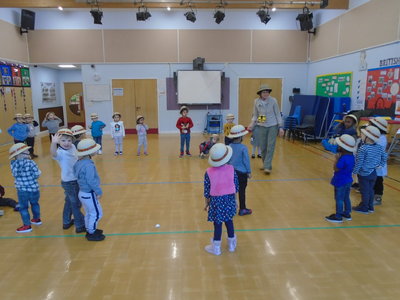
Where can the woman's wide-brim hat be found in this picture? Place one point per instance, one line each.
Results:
(78, 129)
(138, 118)
(264, 87)
(17, 148)
(347, 142)
(237, 131)
(352, 117)
(220, 154)
(116, 114)
(87, 147)
(66, 131)
(381, 123)
(371, 132)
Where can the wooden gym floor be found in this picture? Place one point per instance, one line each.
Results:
(286, 250)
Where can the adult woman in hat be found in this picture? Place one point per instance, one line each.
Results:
(268, 123)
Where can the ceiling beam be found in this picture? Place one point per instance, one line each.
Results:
(230, 4)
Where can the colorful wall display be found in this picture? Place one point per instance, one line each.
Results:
(334, 85)
(26, 79)
(6, 78)
(383, 90)
(16, 76)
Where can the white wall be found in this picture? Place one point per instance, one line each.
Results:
(351, 63)
(293, 76)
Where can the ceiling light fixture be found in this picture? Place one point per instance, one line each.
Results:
(142, 14)
(264, 15)
(67, 66)
(96, 13)
(305, 19)
(60, 8)
(190, 14)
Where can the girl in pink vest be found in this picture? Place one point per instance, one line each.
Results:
(220, 185)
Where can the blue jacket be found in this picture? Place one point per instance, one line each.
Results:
(240, 158)
(86, 174)
(97, 128)
(19, 131)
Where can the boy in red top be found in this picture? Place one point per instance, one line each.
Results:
(184, 124)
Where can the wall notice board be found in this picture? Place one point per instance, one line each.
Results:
(383, 91)
(334, 85)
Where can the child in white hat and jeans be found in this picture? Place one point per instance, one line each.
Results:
(89, 188)
(370, 156)
(220, 185)
(342, 178)
(26, 174)
(241, 163)
(382, 125)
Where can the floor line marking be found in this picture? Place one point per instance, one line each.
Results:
(208, 231)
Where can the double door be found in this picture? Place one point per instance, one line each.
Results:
(136, 97)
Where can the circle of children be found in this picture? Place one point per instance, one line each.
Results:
(228, 174)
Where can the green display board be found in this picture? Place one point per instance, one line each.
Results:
(26, 79)
(334, 85)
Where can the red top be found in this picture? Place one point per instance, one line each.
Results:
(184, 121)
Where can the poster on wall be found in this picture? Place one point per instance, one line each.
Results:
(26, 79)
(6, 78)
(16, 76)
(383, 90)
(48, 91)
(334, 85)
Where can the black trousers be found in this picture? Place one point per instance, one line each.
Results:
(378, 187)
(242, 177)
(30, 141)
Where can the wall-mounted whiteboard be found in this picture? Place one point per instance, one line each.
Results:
(199, 87)
(98, 92)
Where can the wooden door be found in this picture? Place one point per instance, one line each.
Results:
(247, 94)
(73, 93)
(145, 91)
(138, 97)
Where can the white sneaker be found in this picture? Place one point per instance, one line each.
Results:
(99, 152)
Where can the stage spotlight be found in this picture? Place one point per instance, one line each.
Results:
(324, 3)
(97, 15)
(219, 16)
(190, 16)
(142, 15)
(264, 16)
(305, 20)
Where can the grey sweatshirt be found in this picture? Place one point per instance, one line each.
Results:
(52, 125)
(88, 179)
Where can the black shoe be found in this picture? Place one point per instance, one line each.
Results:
(355, 185)
(80, 230)
(95, 237)
(259, 156)
(253, 156)
(332, 218)
(98, 231)
(34, 155)
(347, 217)
(68, 226)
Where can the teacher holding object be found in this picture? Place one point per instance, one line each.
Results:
(266, 122)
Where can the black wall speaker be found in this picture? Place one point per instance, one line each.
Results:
(27, 19)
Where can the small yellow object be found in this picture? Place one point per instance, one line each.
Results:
(262, 119)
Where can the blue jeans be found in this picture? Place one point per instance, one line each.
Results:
(367, 184)
(98, 140)
(342, 196)
(185, 138)
(72, 205)
(26, 198)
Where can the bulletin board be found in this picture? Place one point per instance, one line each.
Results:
(98, 92)
(383, 91)
(334, 85)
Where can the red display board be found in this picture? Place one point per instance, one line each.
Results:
(16, 76)
(383, 90)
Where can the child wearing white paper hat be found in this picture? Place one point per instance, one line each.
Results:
(370, 156)
(26, 174)
(342, 178)
(79, 133)
(220, 185)
(382, 125)
(89, 188)
(241, 163)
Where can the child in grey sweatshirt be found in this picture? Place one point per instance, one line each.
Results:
(52, 122)
(89, 188)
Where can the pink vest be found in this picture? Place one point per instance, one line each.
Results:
(222, 180)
